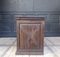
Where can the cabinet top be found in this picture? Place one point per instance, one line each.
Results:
(30, 18)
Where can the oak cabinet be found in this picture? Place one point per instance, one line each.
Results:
(30, 35)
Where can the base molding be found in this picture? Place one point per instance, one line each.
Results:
(26, 52)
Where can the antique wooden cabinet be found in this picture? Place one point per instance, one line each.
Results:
(30, 35)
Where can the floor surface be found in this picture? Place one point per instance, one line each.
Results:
(51, 47)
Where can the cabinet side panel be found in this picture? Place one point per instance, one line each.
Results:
(18, 36)
(42, 35)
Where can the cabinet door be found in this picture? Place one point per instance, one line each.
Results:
(30, 36)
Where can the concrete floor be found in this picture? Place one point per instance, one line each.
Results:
(51, 47)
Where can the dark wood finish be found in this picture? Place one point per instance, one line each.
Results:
(30, 35)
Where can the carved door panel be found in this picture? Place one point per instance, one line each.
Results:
(30, 36)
